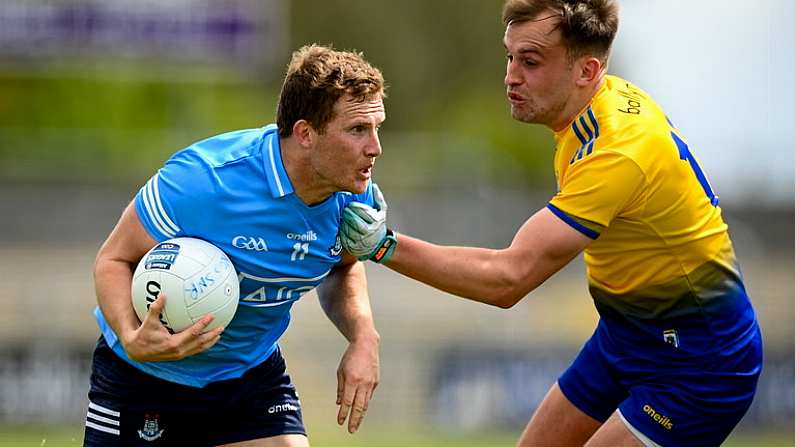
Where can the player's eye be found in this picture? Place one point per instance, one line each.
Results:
(509, 57)
(530, 63)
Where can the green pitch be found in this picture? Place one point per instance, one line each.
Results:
(68, 437)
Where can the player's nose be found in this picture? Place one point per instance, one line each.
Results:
(512, 75)
(373, 148)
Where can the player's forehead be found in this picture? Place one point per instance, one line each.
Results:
(348, 108)
(541, 35)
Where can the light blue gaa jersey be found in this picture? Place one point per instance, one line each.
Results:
(232, 190)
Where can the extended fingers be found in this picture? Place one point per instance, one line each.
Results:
(346, 402)
(194, 339)
(155, 309)
(358, 409)
(360, 214)
(353, 397)
(353, 227)
(378, 197)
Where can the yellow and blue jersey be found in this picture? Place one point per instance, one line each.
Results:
(662, 260)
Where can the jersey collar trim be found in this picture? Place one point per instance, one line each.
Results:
(278, 181)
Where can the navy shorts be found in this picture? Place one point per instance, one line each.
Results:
(128, 407)
(672, 400)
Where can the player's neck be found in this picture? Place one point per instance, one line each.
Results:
(578, 102)
(306, 184)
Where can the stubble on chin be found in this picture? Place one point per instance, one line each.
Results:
(522, 115)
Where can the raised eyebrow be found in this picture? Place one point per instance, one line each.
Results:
(530, 50)
(525, 50)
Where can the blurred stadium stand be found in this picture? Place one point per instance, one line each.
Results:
(446, 362)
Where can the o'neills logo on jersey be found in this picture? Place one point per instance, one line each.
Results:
(303, 237)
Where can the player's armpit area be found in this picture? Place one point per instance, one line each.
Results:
(542, 246)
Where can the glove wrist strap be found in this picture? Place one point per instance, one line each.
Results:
(386, 248)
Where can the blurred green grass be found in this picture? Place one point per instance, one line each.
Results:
(73, 436)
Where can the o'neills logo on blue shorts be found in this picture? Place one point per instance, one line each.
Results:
(162, 256)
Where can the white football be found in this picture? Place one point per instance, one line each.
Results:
(196, 277)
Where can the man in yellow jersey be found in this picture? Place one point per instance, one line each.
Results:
(675, 358)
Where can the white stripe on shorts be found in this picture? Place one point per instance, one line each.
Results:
(641, 437)
(99, 418)
(102, 423)
(113, 431)
(101, 409)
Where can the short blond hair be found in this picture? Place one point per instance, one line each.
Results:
(316, 78)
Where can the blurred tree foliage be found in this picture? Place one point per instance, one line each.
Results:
(444, 64)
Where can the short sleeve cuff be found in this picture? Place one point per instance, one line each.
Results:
(151, 213)
(587, 228)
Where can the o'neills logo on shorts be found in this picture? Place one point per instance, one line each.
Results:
(278, 408)
(665, 421)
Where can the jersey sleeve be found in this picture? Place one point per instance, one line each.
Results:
(596, 189)
(167, 203)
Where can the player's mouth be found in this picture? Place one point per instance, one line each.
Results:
(516, 98)
(365, 173)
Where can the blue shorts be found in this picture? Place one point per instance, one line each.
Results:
(672, 399)
(128, 407)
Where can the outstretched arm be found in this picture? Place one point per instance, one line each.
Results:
(343, 297)
(501, 278)
(543, 245)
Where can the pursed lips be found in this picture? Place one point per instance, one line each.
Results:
(515, 98)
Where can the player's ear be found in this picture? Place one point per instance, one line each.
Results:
(590, 68)
(304, 133)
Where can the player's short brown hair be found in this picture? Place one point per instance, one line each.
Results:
(588, 27)
(316, 78)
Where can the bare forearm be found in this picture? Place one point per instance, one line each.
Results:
(112, 280)
(343, 296)
(479, 274)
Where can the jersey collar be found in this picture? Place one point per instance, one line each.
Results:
(278, 181)
(585, 119)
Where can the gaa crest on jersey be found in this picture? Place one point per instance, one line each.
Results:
(336, 249)
(671, 337)
(151, 430)
(162, 256)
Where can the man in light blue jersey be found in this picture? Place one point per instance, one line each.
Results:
(271, 199)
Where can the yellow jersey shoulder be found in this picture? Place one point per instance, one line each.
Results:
(631, 121)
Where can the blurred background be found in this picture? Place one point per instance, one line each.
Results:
(95, 95)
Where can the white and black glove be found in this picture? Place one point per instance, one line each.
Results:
(364, 232)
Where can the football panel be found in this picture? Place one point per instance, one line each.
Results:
(144, 289)
(224, 290)
(222, 304)
(175, 313)
(199, 251)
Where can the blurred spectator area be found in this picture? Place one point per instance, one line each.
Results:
(434, 347)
